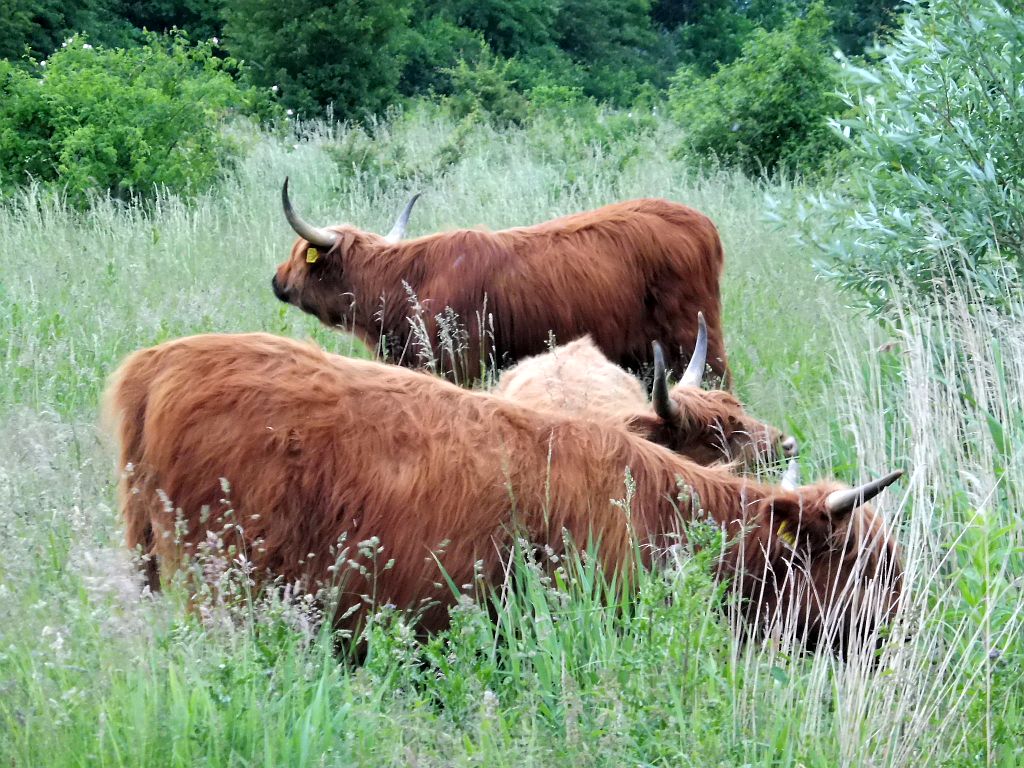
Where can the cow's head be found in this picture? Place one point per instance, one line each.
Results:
(709, 425)
(314, 276)
(820, 563)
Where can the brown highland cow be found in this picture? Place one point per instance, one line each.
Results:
(707, 426)
(625, 274)
(318, 448)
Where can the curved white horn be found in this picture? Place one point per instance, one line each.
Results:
(695, 370)
(844, 502)
(398, 231)
(791, 478)
(321, 238)
(664, 406)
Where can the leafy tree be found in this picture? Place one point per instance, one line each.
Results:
(856, 23)
(611, 41)
(202, 18)
(433, 47)
(487, 87)
(510, 27)
(936, 158)
(707, 33)
(123, 121)
(320, 53)
(38, 27)
(770, 106)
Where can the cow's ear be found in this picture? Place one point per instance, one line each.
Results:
(343, 245)
(794, 518)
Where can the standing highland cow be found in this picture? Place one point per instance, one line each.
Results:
(625, 274)
(318, 448)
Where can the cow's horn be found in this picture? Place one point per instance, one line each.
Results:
(664, 406)
(321, 238)
(695, 370)
(791, 477)
(844, 502)
(398, 231)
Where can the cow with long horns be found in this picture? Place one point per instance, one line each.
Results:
(707, 426)
(320, 449)
(625, 274)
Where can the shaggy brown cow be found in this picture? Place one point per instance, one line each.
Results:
(625, 273)
(318, 448)
(705, 425)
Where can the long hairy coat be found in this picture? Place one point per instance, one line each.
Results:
(708, 426)
(318, 449)
(627, 274)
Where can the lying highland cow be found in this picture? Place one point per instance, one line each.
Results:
(625, 274)
(319, 448)
(704, 425)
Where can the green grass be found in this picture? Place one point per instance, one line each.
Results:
(90, 674)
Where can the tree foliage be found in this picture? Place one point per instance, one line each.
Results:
(319, 53)
(936, 157)
(768, 108)
(202, 18)
(36, 28)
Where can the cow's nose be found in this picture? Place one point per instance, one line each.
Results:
(278, 290)
(789, 447)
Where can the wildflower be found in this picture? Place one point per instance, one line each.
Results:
(273, 89)
(289, 112)
(86, 46)
(216, 40)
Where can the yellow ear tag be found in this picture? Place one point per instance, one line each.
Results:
(785, 535)
(312, 255)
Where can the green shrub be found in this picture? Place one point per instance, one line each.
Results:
(122, 121)
(936, 159)
(769, 107)
(34, 28)
(345, 55)
(432, 48)
(488, 87)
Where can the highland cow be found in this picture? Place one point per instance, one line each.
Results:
(318, 449)
(625, 274)
(707, 426)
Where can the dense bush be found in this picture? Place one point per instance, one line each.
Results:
(320, 53)
(937, 158)
(122, 120)
(202, 18)
(488, 87)
(431, 49)
(37, 27)
(769, 108)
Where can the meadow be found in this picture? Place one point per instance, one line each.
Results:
(93, 674)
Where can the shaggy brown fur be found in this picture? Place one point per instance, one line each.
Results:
(625, 273)
(576, 378)
(318, 447)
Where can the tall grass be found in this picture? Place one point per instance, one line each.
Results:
(92, 674)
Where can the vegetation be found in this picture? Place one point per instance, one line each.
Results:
(932, 195)
(124, 121)
(768, 108)
(321, 53)
(94, 674)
